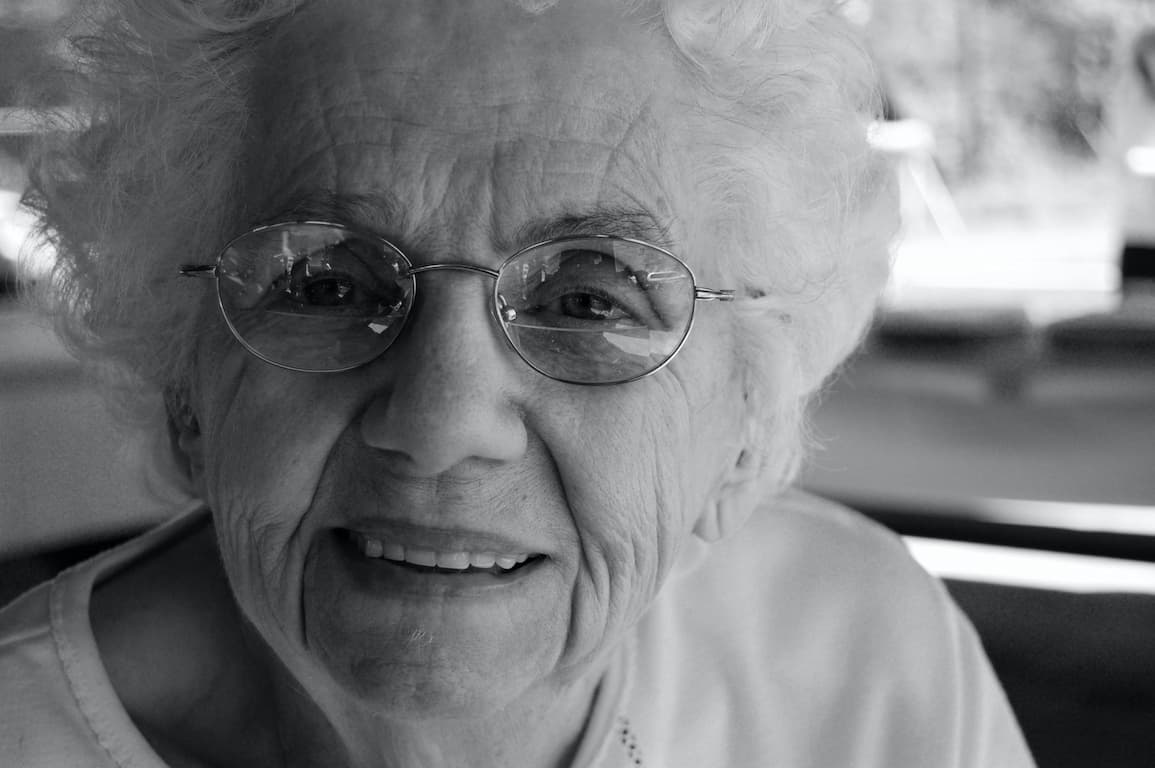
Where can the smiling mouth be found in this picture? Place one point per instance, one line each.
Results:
(442, 562)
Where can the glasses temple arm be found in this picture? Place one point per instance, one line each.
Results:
(198, 270)
(712, 294)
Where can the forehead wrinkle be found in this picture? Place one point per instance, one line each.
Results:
(303, 108)
(313, 88)
(392, 136)
(640, 155)
(303, 193)
(644, 218)
(496, 119)
(499, 98)
(640, 148)
(499, 101)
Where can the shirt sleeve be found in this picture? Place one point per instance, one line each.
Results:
(920, 665)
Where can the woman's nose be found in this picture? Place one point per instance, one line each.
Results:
(448, 386)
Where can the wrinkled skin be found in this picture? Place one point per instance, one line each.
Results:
(473, 128)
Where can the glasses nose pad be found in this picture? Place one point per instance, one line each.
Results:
(506, 313)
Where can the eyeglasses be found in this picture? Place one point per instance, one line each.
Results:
(591, 309)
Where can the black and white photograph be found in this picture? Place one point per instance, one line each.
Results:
(577, 383)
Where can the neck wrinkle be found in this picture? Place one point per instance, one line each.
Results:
(537, 735)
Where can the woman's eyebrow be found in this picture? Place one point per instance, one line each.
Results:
(637, 223)
(373, 211)
(382, 213)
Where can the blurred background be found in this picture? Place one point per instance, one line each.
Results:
(1002, 411)
(1015, 354)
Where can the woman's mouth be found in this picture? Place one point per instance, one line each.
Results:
(437, 561)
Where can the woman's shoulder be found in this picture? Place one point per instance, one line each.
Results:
(59, 707)
(805, 570)
(814, 636)
(799, 544)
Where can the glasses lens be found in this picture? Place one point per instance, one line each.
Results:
(595, 310)
(314, 297)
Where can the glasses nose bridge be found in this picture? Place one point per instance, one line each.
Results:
(451, 266)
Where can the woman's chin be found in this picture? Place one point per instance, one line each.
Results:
(407, 694)
(421, 642)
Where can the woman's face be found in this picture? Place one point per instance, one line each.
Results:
(459, 132)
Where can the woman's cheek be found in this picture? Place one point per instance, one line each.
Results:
(629, 517)
(266, 449)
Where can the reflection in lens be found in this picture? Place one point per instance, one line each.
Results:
(589, 357)
(314, 343)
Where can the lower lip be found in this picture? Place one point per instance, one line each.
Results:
(379, 575)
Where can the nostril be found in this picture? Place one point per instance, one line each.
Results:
(433, 425)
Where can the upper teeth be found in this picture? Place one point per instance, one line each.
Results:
(458, 561)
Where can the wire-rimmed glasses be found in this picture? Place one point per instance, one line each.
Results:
(587, 309)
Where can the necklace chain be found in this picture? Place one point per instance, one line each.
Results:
(629, 742)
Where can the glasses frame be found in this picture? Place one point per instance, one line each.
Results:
(212, 271)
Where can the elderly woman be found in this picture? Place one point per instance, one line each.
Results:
(416, 280)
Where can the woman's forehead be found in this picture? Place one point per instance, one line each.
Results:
(406, 95)
(492, 44)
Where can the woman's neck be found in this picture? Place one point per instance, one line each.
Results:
(542, 729)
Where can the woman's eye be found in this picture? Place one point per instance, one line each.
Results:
(328, 291)
(318, 289)
(589, 306)
(585, 288)
(334, 281)
(341, 293)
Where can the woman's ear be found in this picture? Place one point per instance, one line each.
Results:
(733, 502)
(185, 439)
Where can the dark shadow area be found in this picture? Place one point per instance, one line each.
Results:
(18, 575)
(1079, 670)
